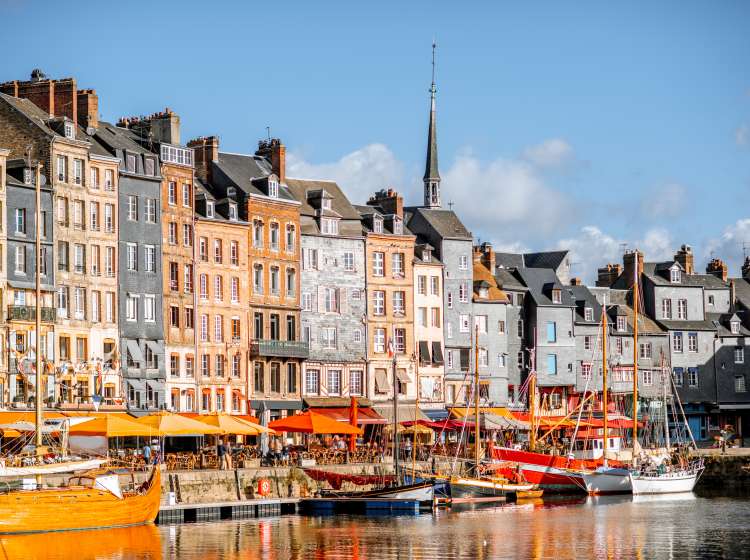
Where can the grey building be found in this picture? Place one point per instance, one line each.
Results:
(20, 264)
(140, 294)
(333, 297)
(517, 361)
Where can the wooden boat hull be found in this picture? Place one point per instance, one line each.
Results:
(76, 508)
(422, 492)
(529, 494)
(607, 480)
(466, 489)
(677, 482)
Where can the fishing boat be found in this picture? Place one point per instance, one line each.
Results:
(92, 500)
(553, 473)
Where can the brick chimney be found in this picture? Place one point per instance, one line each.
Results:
(275, 152)
(576, 282)
(390, 201)
(206, 150)
(718, 268)
(685, 257)
(88, 108)
(607, 275)
(163, 126)
(56, 97)
(746, 269)
(488, 256)
(732, 295)
(629, 260)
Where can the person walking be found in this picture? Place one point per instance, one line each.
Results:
(221, 453)
(147, 453)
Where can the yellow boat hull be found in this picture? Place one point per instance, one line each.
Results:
(77, 508)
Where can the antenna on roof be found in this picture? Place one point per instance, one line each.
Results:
(450, 205)
(434, 46)
(623, 247)
(268, 133)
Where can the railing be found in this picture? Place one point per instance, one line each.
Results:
(28, 313)
(280, 348)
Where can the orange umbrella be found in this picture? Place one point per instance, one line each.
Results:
(312, 423)
(353, 422)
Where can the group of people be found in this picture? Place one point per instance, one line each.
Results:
(152, 452)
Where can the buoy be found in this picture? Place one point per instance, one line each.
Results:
(264, 487)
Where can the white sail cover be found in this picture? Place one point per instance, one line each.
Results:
(110, 483)
(52, 468)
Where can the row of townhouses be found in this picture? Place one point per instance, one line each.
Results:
(176, 275)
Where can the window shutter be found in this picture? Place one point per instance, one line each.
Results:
(321, 299)
(343, 300)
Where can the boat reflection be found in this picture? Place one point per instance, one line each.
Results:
(142, 542)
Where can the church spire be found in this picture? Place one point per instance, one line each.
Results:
(431, 177)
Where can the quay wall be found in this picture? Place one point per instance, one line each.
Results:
(725, 474)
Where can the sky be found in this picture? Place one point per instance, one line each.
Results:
(578, 125)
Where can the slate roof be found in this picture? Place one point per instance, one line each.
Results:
(350, 224)
(584, 298)
(542, 259)
(445, 222)
(658, 273)
(367, 209)
(30, 111)
(508, 280)
(509, 260)
(114, 138)
(706, 325)
(242, 171)
(721, 322)
(540, 282)
(742, 291)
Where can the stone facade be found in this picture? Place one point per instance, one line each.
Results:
(3, 275)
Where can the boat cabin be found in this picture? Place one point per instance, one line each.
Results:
(590, 445)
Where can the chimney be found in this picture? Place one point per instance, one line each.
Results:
(88, 108)
(275, 152)
(390, 201)
(685, 257)
(718, 268)
(163, 126)
(607, 275)
(746, 269)
(206, 150)
(575, 282)
(488, 256)
(732, 295)
(476, 254)
(629, 260)
(56, 97)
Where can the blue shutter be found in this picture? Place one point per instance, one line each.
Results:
(551, 332)
(552, 364)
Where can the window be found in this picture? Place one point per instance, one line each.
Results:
(149, 308)
(174, 276)
(132, 208)
(96, 306)
(645, 351)
(309, 259)
(62, 302)
(218, 288)
(291, 282)
(435, 317)
(449, 330)
(109, 261)
(109, 308)
(648, 377)
(449, 359)
(378, 303)
(483, 357)
(379, 340)
(588, 343)
(519, 328)
(109, 218)
(349, 261)
(357, 336)
(739, 384)
(464, 323)
(273, 188)
(187, 199)
(69, 129)
(588, 314)
(682, 309)
(397, 265)
(204, 328)
(206, 365)
(422, 285)
(172, 233)
(621, 323)
(739, 355)
(94, 216)
(79, 300)
(218, 328)
(274, 280)
(149, 253)
(275, 377)
(677, 342)
(328, 338)
(62, 171)
(150, 210)
(679, 376)
(329, 226)
(219, 371)
(551, 331)
(172, 193)
(149, 165)
(307, 301)
(378, 264)
(501, 360)
(131, 308)
(675, 275)
(585, 370)
(258, 278)
(189, 318)
(501, 327)
(552, 364)
(257, 234)
(21, 221)
(480, 322)
(78, 214)
(435, 285)
(556, 296)
(290, 238)
(79, 258)
(236, 326)
(234, 253)
(95, 260)
(273, 236)
(463, 263)
(692, 342)
(218, 250)
(330, 300)
(399, 303)
(711, 300)
(94, 178)
(666, 308)
(174, 316)
(312, 382)
(734, 327)
(693, 376)
(174, 365)
(109, 180)
(333, 379)
(356, 382)
(618, 345)
(399, 340)
(235, 289)
(78, 171)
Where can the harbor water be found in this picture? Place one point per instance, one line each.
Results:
(684, 526)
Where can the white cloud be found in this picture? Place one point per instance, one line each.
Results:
(554, 152)
(742, 135)
(664, 202)
(731, 245)
(359, 173)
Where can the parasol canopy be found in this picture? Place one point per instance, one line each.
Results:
(232, 425)
(312, 423)
(164, 423)
(111, 426)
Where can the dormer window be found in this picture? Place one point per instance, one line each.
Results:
(621, 324)
(70, 130)
(556, 296)
(426, 255)
(588, 314)
(231, 192)
(325, 203)
(675, 275)
(734, 326)
(377, 224)
(484, 292)
(329, 226)
(209, 209)
(150, 167)
(273, 188)
(27, 176)
(233, 212)
(398, 226)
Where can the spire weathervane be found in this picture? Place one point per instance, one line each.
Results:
(431, 177)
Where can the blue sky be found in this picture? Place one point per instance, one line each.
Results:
(560, 124)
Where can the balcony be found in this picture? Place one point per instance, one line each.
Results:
(28, 313)
(279, 348)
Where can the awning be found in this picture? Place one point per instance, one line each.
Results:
(156, 347)
(138, 385)
(405, 412)
(365, 415)
(134, 350)
(276, 405)
(437, 353)
(403, 376)
(156, 386)
(440, 414)
(381, 381)
(460, 412)
(424, 352)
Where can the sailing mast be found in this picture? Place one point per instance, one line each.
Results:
(477, 444)
(636, 296)
(532, 397)
(604, 381)
(38, 420)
